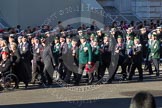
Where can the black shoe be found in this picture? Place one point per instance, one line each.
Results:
(99, 82)
(124, 79)
(150, 73)
(140, 80)
(16, 87)
(1, 88)
(89, 83)
(157, 74)
(26, 86)
(67, 82)
(109, 82)
(129, 78)
(76, 84)
(32, 82)
(49, 83)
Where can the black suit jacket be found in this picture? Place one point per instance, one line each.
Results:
(5, 66)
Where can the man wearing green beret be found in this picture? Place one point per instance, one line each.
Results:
(159, 36)
(87, 37)
(100, 36)
(130, 32)
(56, 50)
(92, 37)
(96, 57)
(120, 49)
(85, 56)
(148, 51)
(68, 41)
(129, 46)
(155, 52)
(106, 58)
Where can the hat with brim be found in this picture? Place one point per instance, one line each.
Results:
(29, 34)
(113, 30)
(158, 28)
(80, 31)
(142, 29)
(12, 35)
(128, 29)
(47, 33)
(20, 37)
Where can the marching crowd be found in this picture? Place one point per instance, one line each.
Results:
(39, 51)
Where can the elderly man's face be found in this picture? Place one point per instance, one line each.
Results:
(119, 40)
(36, 41)
(24, 39)
(106, 39)
(91, 38)
(74, 43)
(129, 31)
(48, 35)
(56, 41)
(82, 40)
(19, 40)
(80, 33)
(63, 33)
(62, 40)
(4, 56)
(143, 31)
(128, 37)
(68, 40)
(149, 36)
(113, 32)
(136, 41)
(99, 33)
(158, 31)
(10, 39)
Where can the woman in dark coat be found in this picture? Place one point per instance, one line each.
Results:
(15, 59)
(17, 64)
(49, 63)
(26, 61)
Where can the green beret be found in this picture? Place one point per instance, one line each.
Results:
(155, 35)
(136, 38)
(82, 37)
(92, 35)
(56, 38)
(74, 39)
(95, 40)
(68, 37)
(119, 36)
(106, 35)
